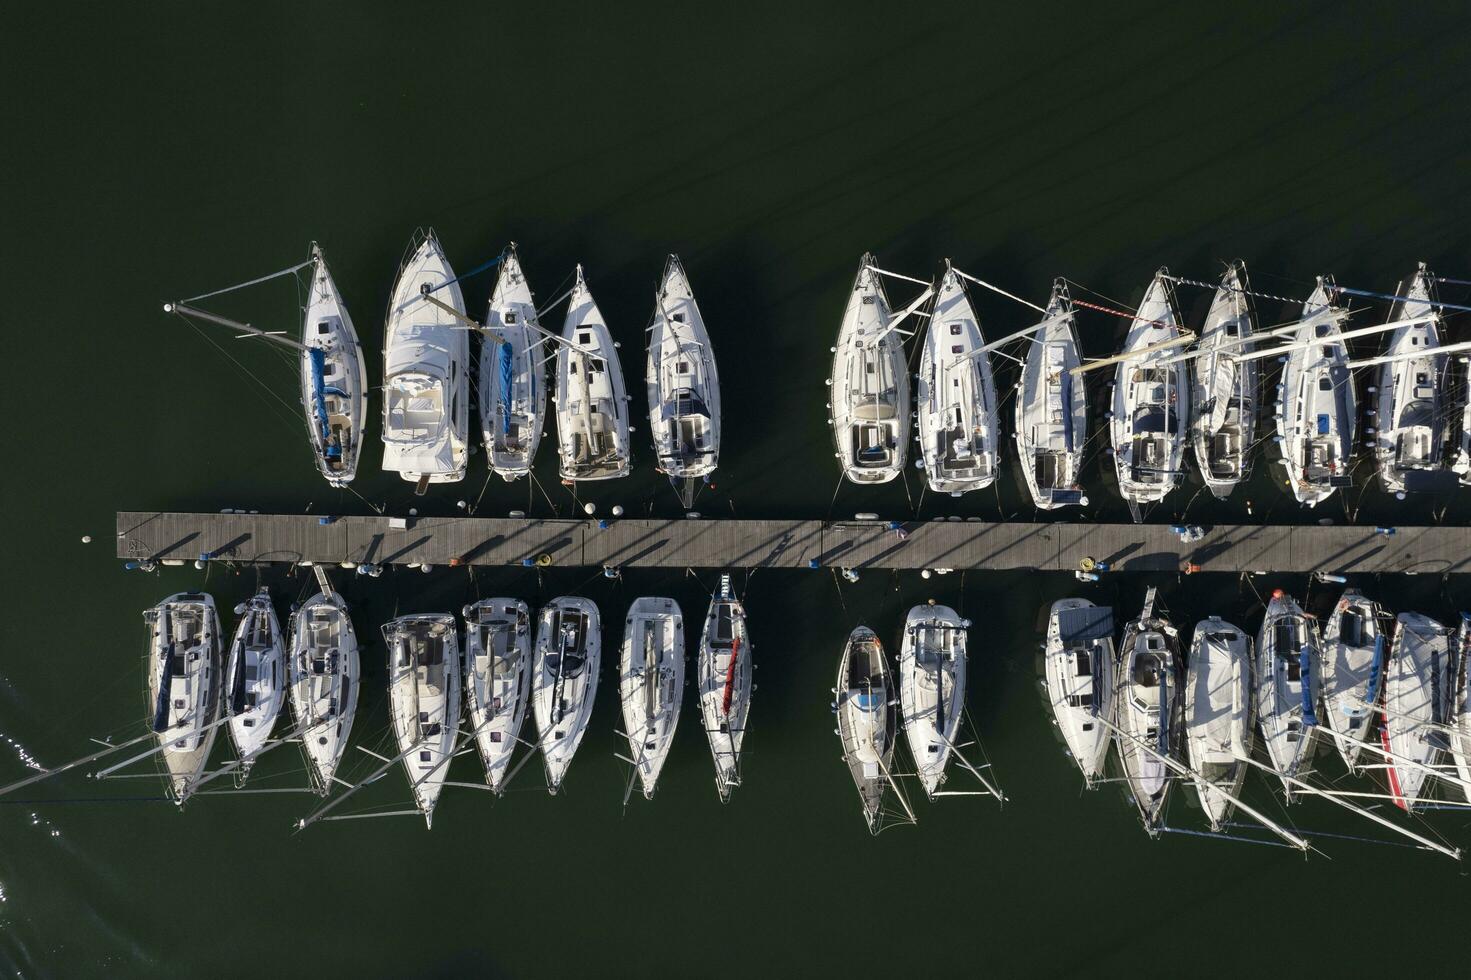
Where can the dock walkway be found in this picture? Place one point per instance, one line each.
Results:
(723, 543)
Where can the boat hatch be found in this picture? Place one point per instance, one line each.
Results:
(1082, 663)
(724, 632)
(868, 701)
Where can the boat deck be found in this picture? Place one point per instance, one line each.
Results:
(721, 543)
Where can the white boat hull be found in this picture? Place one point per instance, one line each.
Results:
(932, 680)
(512, 389)
(497, 667)
(651, 684)
(426, 358)
(725, 684)
(869, 394)
(564, 680)
(324, 671)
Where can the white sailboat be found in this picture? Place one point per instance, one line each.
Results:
(1461, 705)
(1288, 655)
(564, 680)
(591, 403)
(333, 378)
(184, 681)
(1418, 686)
(324, 671)
(1078, 671)
(956, 398)
(1353, 668)
(651, 684)
(1224, 400)
(255, 679)
(424, 700)
(426, 356)
(1410, 410)
(1150, 415)
(932, 688)
(497, 680)
(1218, 715)
(868, 723)
(869, 407)
(1316, 405)
(1052, 409)
(1146, 708)
(513, 392)
(683, 386)
(332, 373)
(725, 684)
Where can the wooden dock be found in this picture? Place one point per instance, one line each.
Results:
(718, 543)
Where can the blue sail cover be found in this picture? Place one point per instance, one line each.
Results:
(1305, 661)
(507, 375)
(319, 403)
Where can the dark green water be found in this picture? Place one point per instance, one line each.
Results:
(164, 151)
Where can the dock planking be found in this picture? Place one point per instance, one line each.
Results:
(722, 543)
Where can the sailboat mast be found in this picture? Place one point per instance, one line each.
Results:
(246, 329)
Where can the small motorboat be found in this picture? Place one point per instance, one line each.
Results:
(1078, 676)
(564, 680)
(1150, 417)
(1218, 710)
(497, 687)
(683, 386)
(1146, 709)
(1316, 405)
(1288, 655)
(424, 700)
(1353, 670)
(651, 684)
(956, 398)
(1225, 397)
(184, 681)
(333, 378)
(1419, 684)
(1052, 409)
(725, 684)
(869, 407)
(513, 392)
(426, 359)
(324, 671)
(592, 405)
(1411, 434)
(932, 688)
(868, 722)
(255, 680)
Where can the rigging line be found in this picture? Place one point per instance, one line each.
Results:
(371, 506)
(545, 496)
(1400, 299)
(1235, 289)
(473, 272)
(483, 487)
(1231, 837)
(254, 282)
(267, 388)
(998, 289)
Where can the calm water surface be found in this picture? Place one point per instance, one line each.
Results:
(165, 151)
